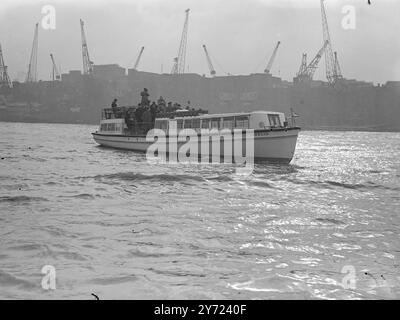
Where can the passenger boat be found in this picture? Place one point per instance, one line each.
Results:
(274, 138)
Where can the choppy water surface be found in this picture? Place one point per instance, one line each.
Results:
(114, 225)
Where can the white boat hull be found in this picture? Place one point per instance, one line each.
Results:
(269, 145)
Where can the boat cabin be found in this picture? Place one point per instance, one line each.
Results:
(256, 120)
(121, 121)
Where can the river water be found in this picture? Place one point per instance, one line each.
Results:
(326, 226)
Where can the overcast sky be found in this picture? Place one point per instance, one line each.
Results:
(240, 35)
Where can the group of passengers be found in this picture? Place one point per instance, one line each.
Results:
(146, 112)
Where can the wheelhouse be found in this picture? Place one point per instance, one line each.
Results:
(113, 121)
(112, 126)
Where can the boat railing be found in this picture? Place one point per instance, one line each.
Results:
(182, 113)
(116, 112)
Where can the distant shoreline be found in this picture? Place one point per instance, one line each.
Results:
(304, 128)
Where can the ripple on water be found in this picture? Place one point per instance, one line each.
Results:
(9, 280)
(21, 199)
(130, 176)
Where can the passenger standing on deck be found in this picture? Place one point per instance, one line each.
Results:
(145, 98)
(161, 102)
(114, 106)
(138, 113)
(147, 119)
(153, 111)
(169, 107)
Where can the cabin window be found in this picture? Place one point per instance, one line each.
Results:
(228, 123)
(214, 123)
(196, 123)
(242, 122)
(109, 114)
(274, 120)
(161, 124)
(188, 123)
(205, 123)
(179, 124)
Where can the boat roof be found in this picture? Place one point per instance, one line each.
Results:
(222, 115)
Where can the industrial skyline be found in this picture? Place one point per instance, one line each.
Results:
(245, 48)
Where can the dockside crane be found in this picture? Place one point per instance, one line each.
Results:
(32, 67)
(308, 72)
(55, 74)
(87, 63)
(5, 80)
(210, 65)
(175, 66)
(303, 65)
(337, 66)
(180, 60)
(333, 72)
(271, 60)
(138, 59)
(314, 63)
